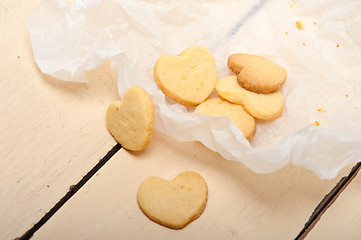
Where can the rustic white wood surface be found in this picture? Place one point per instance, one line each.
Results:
(51, 132)
(241, 204)
(343, 219)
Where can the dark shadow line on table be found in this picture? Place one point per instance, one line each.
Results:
(72, 190)
(327, 201)
(236, 27)
(244, 19)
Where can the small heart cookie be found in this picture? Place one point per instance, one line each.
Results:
(131, 120)
(242, 119)
(188, 78)
(256, 73)
(173, 204)
(261, 106)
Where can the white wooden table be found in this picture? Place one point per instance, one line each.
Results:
(52, 133)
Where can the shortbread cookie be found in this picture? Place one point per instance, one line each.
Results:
(131, 120)
(188, 78)
(173, 204)
(257, 74)
(243, 120)
(261, 106)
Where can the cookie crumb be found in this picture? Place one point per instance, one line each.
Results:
(316, 123)
(299, 25)
(19, 57)
(321, 110)
(47, 186)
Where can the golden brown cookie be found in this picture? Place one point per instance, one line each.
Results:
(261, 106)
(256, 73)
(131, 120)
(173, 204)
(188, 78)
(242, 119)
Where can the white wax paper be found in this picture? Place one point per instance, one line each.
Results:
(323, 62)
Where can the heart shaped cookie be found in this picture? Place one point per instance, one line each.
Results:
(261, 106)
(188, 78)
(131, 120)
(256, 73)
(242, 119)
(173, 204)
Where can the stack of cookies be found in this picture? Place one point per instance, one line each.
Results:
(190, 77)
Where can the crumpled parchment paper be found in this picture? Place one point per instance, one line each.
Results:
(320, 128)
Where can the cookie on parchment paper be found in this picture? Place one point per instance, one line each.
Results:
(257, 74)
(261, 106)
(242, 119)
(188, 78)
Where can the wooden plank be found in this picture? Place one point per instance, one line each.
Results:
(241, 204)
(52, 132)
(72, 190)
(342, 220)
(328, 200)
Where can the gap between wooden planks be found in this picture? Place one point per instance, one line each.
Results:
(327, 201)
(72, 190)
(321, 208)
